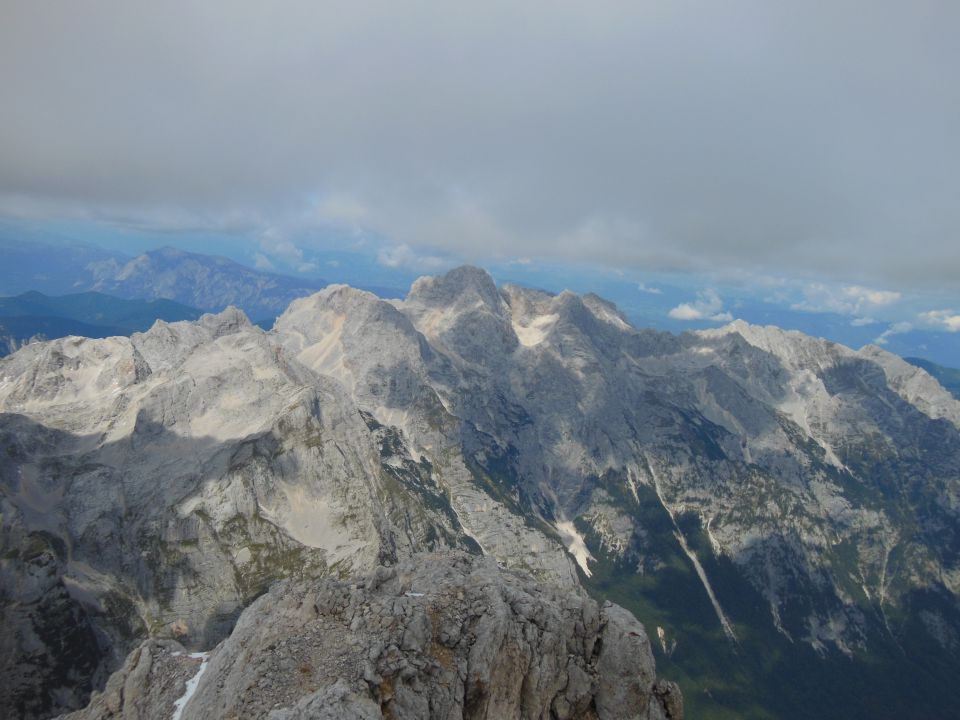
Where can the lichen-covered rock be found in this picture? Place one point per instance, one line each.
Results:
(440, 636)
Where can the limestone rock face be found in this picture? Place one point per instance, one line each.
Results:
(168, 479)
(439, 636)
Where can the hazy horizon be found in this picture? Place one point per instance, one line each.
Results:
(796, 165)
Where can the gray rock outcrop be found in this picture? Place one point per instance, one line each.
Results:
(439, 636)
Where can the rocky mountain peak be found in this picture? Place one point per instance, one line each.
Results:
(607, 311)
(463, 312)
(462, 287)
(537, 315)
(766, 337)
(229, 321)
(340, 300)
(167, 252)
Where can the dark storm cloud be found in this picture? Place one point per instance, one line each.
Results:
(812, 137)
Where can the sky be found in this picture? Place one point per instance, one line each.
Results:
(808, 153)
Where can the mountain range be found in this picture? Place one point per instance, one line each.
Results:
(33, 316)
(208, 282)
(780, 512)
(196, 280)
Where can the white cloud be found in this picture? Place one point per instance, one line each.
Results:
(403, 256)
(895, 329)
(863, 321)
(340, 208)
(871, 297)
(685, 311)
(554, 159)
(644, 288)
(277, 246)
(943, 319)
(262, 262)
(844, 300)
(708, 306)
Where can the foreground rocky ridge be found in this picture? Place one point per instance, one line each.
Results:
(740, 485)
(442, 636)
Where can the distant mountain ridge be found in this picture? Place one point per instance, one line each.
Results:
(48, 268)
(33, 316)
(948, 377)
(208, 282)
(96, 308)
(15, 332)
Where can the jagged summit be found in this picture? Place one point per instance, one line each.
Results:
(227, 322)
(765, 336)
(461, 287)
(462, 312)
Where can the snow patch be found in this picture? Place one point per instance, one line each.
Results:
(603, 313)
(717, 547)
(192, 685)
(701, 573)
(534, 332)
(574, 543)
(667, 645)
(632, 484)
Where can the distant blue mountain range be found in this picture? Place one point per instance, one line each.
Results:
(207, 282)
(55, 264)
(97, 309)
(196, 280)
(35, 316)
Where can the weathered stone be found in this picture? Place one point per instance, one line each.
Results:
(517, 663)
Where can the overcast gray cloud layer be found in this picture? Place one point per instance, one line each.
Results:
(775, 136)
